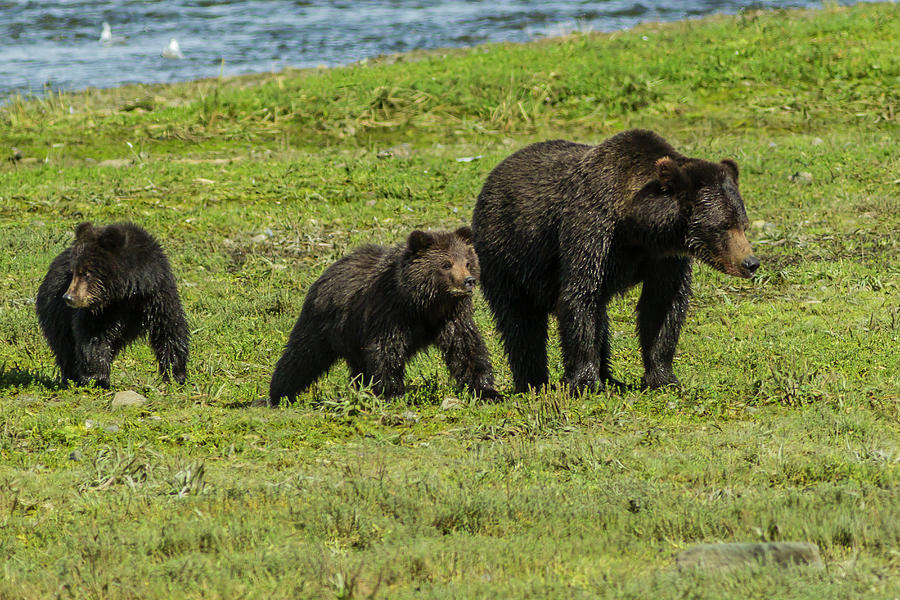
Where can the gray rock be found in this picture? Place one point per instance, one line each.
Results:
(451, 403)
(401, 151)
(115, 162)
(111, 429)
(128, 398)
(410, 417)
(801, 177)
(729, 556)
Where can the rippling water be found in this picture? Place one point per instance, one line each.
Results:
(53, 44)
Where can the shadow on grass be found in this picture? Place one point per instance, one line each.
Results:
(13, 376)
(264, 402)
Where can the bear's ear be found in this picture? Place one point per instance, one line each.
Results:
(464, 233)
(732, 168)
(112, 238)
(669, 174)
(419, 240)
(84, 231)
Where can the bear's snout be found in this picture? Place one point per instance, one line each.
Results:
(750, 264)
(470, 283)
(78, 295)
(738, 259)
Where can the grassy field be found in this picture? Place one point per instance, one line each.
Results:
(787, 426)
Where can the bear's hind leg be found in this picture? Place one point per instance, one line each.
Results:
(523, 330)
(305, 359)
(169, 337)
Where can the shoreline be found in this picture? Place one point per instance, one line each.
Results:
(416, 54)
(337, 50)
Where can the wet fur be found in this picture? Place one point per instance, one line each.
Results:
(130, 292)
(378, 306)
(562, 227)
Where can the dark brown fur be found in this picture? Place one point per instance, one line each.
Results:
(562, 227)
(378, 306)
(112, 286)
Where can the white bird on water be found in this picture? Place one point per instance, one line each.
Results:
(107, 38)
(173, 50)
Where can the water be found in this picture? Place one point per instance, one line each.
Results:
(53, 44)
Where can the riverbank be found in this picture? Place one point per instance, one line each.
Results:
(786, 427)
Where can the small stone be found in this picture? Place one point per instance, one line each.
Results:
(127, 398)
(403, 150)
(410, 417)
(728, 556)
(817, 141)
(258, 239)
(371, 203)
(111, 429)
(802, 177)
(203, 181)
(451, 403)
(115, 162)
(89, 423)
(391, 420)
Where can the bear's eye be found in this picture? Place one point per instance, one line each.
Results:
(447, 264)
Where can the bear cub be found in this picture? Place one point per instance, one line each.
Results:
(113, 285)
(378, 306)
(562, 227)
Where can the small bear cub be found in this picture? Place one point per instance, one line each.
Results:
(378, 306)
(113, 285)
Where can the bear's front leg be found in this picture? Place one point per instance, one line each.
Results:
(465, 354)
(661, 311)
(95, 360)
(386, 365)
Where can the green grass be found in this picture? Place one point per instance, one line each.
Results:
(787, 426)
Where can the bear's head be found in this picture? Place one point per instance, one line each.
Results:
(708, 194)
(94, 264)
(441, 264)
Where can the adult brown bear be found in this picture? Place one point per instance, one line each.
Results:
(562, 227)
